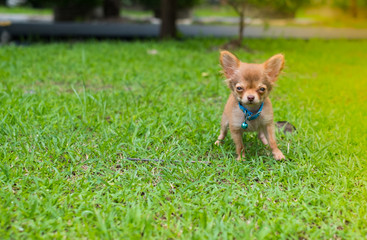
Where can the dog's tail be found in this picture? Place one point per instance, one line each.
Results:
(285, 126)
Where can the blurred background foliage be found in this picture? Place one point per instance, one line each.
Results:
(336, 13)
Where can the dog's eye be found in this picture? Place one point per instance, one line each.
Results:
(239, 88)
(262, 89)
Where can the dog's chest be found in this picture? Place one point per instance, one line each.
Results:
(238, 117)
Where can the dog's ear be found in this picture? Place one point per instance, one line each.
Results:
(273, 66)
(229, 62)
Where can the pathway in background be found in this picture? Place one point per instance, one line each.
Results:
(42, 25)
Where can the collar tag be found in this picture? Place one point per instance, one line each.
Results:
(249, 115)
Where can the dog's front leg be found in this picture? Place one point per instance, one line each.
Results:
(270, 135)
(223, 130)
(237, 138)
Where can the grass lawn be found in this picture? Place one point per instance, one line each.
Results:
(214, 11)
(72, 112)
(333, 17)
(136, 13)
(25, 10)
(317, 16)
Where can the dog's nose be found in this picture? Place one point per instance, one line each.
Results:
(251, 98)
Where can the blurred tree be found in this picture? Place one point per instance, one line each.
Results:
(111, 8)
(240, 7)
(69, 10)
(351, 6)
(168, 19)
(287, 7)
(167, 11)
(38, 3)
(180, 4)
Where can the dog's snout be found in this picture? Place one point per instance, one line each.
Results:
(251, 98)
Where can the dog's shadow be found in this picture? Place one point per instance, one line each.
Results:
(255, 149)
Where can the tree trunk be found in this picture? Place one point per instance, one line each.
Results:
(73, 12)
(111, 8)
(168, 18)
(353, 8)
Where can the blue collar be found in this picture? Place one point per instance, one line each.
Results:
(249, 115)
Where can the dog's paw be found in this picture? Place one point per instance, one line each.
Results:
(241, 158)
(218, 142)
(278, 155)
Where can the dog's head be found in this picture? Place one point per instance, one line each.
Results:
(251, 83)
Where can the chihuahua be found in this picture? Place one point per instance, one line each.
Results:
(248, 108)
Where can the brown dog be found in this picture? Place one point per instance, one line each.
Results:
(248, 107)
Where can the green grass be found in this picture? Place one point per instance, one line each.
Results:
(333, 17)
(25, 10)
(72, 112)
(214, 11)
(317, 16)
(136, 13)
